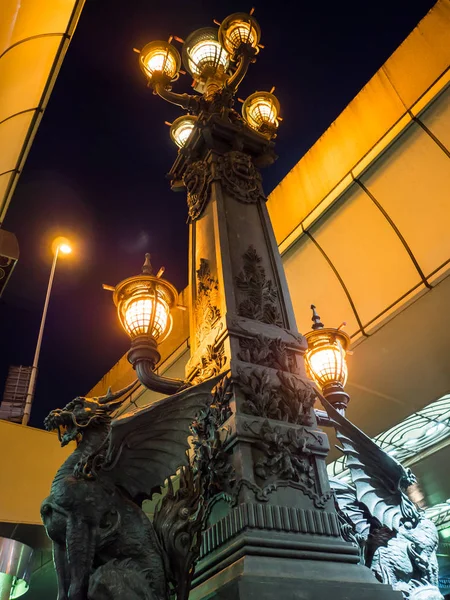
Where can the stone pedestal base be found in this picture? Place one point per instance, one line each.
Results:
(270, 578)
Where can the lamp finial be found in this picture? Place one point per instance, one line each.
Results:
(317, 323)
(147, 266)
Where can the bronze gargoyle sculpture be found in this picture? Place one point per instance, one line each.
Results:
(104, 545)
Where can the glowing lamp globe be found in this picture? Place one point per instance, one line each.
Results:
(261, 112)
(61, 245)
(144, 303)
(181, 129)
(65, 249)
(326, 360)
(239, 30)
(160, 60)
(203, 55)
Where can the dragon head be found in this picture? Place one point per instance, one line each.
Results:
(80, 413)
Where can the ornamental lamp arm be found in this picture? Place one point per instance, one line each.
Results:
(246, 57)
(157, 383)
(186, 101)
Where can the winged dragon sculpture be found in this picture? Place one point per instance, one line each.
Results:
(104, 545)
(396, 540)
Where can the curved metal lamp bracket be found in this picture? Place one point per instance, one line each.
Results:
(144, 356)
(186, 101)
(246, 58)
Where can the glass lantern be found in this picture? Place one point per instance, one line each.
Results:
(261, 111)
(160, 59)
(181, 129)
(144, 303)
(203, 55)
(237, 30)
(326, 360)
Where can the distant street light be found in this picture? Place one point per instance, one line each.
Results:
(60, 245)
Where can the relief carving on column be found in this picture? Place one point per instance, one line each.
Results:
(240, 178)
(291, 400)
(286, 455)
(261, 295)
(212, 361)
(267, 352)
(197, 179)
(207, 311)
(210, 458)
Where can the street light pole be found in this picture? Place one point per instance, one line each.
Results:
(65, 249)
(271, 527)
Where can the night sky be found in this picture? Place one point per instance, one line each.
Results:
(96, 170)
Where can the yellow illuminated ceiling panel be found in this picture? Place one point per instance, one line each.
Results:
(412, 184)
(12, 133)
(311, 280)
(412, 76)
(437, 118)
(34, 37)
(366, 253)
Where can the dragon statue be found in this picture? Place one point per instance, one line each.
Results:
(104, 545)
(395, 539)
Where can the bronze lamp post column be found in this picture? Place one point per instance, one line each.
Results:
(271, 527)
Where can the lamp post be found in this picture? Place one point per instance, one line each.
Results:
(271, 527)
(60, 245)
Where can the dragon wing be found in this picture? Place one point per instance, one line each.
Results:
(379, 479)
(355, 511)
(148, 446)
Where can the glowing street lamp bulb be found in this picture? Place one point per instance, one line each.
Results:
(160, 59)
(144, 303)
(237, 30)
(261, 111)
(61, 245)
(325, 360)
(181, 129)
(203, 55)
(65, 248)
(146, 315)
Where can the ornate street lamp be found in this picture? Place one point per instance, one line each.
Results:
(218, 61)
(181, 129)
(160, 60)
(326, 361)
(238, 31)
(261, 112)
(144, 303)
(258, 453)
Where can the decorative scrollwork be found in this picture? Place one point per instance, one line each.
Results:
(291, 401)
(261, 294)
(286, 455)
(267, 352)
(211, 461)
(212, 361)
(240, 178)
(197, 179)
(261, 397)
(296, 399)
(206, 308)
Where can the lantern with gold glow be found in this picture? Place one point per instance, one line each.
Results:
(239, 30)
(143, 305)
(160, 60)
(261, 112)
(205, 58)
(181, 129)
(326, 361)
